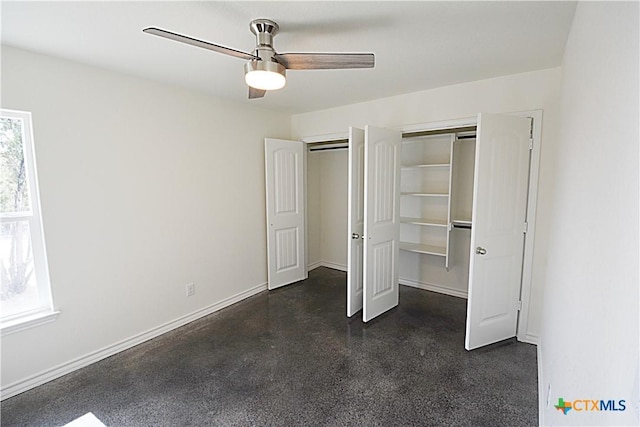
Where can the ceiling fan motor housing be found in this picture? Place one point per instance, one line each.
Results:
(264, 30)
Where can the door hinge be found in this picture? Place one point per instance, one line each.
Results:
(530, 143)
(531, 128)
(519, 306)
(525, 227)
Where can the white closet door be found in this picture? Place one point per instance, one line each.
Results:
(355, 250)
(497, 233)
(382, 220)
(284, 162)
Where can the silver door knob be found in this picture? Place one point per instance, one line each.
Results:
(355, 236)
(481, 251)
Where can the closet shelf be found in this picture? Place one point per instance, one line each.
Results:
(423, 249)
(425, 194)
(426, 165)
(424, 221)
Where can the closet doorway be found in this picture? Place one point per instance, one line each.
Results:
(327, 167)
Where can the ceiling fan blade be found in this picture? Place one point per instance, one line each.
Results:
(198, 43)
(325, 61)
(256, 93)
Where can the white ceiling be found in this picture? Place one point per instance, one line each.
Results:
(418, 45)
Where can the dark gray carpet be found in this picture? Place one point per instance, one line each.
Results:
(291, 357)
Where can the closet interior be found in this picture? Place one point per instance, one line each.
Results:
(436, 200)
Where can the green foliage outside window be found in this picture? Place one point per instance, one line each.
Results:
(16, 256)
(14, 196)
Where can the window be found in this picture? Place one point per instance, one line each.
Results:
(25, 295)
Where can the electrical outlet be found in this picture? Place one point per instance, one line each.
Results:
(191, 289)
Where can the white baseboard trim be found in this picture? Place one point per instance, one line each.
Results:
(75, 364)
(542, 393)
(334, 266)
(314, 265)
(531, 339)
(327, 264)
(434, 288)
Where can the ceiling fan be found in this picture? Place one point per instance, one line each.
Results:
(266, 69)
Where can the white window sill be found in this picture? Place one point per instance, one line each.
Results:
(26, 322)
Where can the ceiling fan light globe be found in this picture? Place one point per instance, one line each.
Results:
(265, 75)
(265, 80)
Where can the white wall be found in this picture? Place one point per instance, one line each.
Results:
(314, 206)
(328, 206)
(334, 189)
(144, 188)
(527, 91)
(589, 346)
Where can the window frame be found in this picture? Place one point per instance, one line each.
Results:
(45, 312)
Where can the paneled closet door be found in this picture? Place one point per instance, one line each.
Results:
(382, 153)
(284, 166)
(355, 249)
(497, 230)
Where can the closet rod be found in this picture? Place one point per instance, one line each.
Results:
(458, 225)
(439, 131)
(329, 148)
(467, 226)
